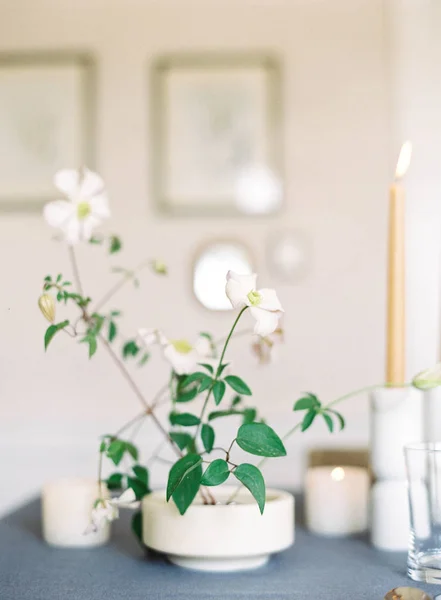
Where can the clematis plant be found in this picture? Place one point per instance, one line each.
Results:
(200, 375)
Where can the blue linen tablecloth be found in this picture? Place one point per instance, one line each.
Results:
(316, 567)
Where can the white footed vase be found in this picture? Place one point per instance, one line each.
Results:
(223, 537)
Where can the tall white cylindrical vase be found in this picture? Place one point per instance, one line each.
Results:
(397, 419)
(66, 513)
(432, 415)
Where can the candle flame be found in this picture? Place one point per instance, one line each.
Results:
(338, 474)
(403, 160)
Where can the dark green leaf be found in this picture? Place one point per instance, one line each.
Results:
(208, 367)
(180, 470)
(207, 436)
(138, 487)
(59, 277)
(238, 385)
(216, 473)
(132, 450)
(116, 450)
(115, 244)
(218, 391)
(249, 415)
(329, 422)
(187, 396)
(252, 479)
(193, 377)
(260, 439)
(137, 526)
(52, 330)
(217, 414)
(130, 348)
(186, 492)
(339, 417)
(142, 474)
(204, 384)
(236, 400)
(307, 402)
(222, 368)
(308, 419)
(114, 481)
(182, 440)
(112, 331)
(185, 419)
(92, 341)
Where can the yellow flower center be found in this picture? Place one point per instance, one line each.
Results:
(83, 210)
(182, 346)
(255, 298)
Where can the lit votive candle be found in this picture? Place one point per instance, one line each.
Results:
(336, 500)
(66, 513)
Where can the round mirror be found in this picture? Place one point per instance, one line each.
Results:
(211, 268)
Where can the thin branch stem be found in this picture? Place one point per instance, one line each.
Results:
(118, 285)
(75, 270)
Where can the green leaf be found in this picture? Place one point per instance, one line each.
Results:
(92, 341)
(260, 439)
(217, 414)
(114, 481)
(236, 400)
(204, 384)
(143, 360)
(238, 385)
(219, 388)
(115, 244)
(249, 415)
(216, 473)
(182, 440)
(115, 313)
(95, 240)
(59, 277)
(193, 377)
(142, 474)
(207, 436)
(329, 422)
(222, 368)
(138, 487)
(116, 450)
(184, 419)
(136, 527)
(208, 367)
(132, 450)
(186, 492)
(187, 396)
(252, 478)
(180, 470)
(112, 331)
(130, 348)
(308, 419)
(339, 417)
(307, 402)
(52, 330)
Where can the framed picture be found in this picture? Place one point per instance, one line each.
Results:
(46, 123)
(216, 135)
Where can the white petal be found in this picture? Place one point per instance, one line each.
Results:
(86, 227)
(150, 337)
(57, 213)
(203, 346)
(237, 288)
(68, 181)
(182, 364)
(126, 500)
(269, 300)
(266, 320)
(100, 206)
(91, 184)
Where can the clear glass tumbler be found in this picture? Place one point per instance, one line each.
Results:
(423, 463)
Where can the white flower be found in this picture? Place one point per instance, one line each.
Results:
(428, 379)
(107, 510)
(265, 347)
(150, 337)
(85, 208)
(264, 304)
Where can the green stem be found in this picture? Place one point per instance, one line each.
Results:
(210, 389)
(100, 474)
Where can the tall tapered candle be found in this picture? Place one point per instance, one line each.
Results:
(396, 316)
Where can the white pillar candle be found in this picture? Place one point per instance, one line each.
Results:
(390, 515)
(396, 420)
(336, 500)
(432, 415)
(66, 511)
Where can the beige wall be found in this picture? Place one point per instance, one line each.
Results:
(337, 162)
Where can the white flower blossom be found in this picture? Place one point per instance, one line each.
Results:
(263, 304)
(107, 510)
(84, 209)
(428, 379)
(265, 348)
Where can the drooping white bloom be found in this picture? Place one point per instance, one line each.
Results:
(265, 348)
(264, 305)
(181, 354)
(428, 379)
(84, 209)
(107, 510)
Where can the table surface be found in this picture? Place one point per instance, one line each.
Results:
(314, 568)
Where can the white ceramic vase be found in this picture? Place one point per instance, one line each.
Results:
(223, 537)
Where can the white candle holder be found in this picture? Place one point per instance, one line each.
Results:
(432, 415)
(66, 512)
(390, 522)
(396, 420)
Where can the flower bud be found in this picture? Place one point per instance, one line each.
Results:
(46, 304)
(428, 379)
(159, 267)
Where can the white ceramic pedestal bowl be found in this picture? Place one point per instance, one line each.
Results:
(223, 537)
